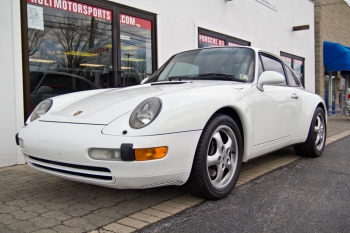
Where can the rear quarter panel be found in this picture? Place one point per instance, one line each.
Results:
(309, 105)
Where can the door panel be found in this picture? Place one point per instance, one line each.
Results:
(276, 114)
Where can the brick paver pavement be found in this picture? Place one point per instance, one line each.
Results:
(337, 125)
(31, 201)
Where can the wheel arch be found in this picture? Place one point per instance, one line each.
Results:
(323, 107)
(235, 116)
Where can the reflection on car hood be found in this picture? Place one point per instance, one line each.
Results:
(104, 107)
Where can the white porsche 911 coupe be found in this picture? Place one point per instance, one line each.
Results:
(193, 122)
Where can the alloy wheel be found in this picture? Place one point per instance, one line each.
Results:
(222, 156)
(319, 131)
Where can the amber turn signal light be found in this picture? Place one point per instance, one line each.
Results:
(150, 153)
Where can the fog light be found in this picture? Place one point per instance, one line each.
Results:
(150, 153)
(21, 143)
(104, 154)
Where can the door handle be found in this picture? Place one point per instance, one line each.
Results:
(295, 96)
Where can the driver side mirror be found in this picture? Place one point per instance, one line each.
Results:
(269, 77)
(44, 90)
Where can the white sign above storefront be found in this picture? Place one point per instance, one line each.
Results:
(269, 3)
(35, 17)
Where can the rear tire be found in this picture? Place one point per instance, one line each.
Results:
(316, 139)
(217, 161)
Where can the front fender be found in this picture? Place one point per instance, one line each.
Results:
(190, 111)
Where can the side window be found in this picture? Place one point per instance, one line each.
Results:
(82, 85)
(273, 65)
(60, 84)
(260, 67)
(293, 81)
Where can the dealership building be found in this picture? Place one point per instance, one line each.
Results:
(74, 45)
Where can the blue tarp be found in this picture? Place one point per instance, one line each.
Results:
(336, 57)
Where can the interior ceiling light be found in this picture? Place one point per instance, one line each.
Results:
(82, 54)
(133, 59)
(127, 68)
(131, 47)
(41, 60)
(92, 65)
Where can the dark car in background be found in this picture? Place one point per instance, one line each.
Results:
(47, 84)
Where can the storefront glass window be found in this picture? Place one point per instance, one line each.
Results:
(208, 41)
(69, 47)
(288, 61)
(232, 44)
(208, 38)
(135, 49)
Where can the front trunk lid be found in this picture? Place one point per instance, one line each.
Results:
(104, 107)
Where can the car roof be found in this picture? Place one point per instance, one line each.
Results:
(65, 74)
(57, 73)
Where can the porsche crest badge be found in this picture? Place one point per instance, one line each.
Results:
(77, 113)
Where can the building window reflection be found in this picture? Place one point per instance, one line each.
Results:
(135, 49)
(71, 42)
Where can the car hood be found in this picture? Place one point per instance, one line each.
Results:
(104, 107)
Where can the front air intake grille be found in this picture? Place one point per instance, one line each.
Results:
(75, 173)
(98, 169)
(81, 171)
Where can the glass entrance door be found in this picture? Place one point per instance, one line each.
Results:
(135, 49)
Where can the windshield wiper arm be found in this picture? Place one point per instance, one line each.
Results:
(208, 76)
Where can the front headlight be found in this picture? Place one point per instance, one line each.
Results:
(42, 108)
(145, 113)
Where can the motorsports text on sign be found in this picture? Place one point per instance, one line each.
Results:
(269, 3)
(75, 7)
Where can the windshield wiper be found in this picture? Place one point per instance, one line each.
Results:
(208, 76)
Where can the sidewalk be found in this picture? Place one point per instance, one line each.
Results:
(31, 201)
(337, 125)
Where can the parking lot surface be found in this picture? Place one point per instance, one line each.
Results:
(308, 195)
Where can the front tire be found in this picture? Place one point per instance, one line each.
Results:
(316, 139)
(217, 160)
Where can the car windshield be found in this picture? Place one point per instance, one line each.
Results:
(35, 78)
(227, 64)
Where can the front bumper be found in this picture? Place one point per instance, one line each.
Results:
(61, 149)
